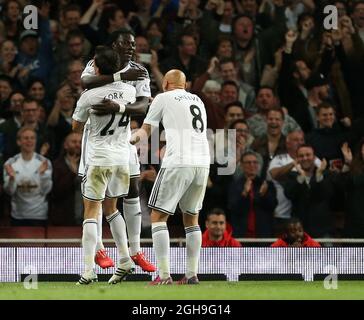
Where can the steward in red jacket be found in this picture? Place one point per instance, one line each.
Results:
(295, 236)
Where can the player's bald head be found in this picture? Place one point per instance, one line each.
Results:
(174, 79)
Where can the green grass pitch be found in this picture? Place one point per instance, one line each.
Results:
(210, 290)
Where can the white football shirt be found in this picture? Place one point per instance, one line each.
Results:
(29, 189)
(108, 135)
(183, 116)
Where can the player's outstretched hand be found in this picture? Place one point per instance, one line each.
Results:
(263, 188)
(10, 171)
(134, 74)
(134, 139)
(107, 106)
(348, 156)
(43, 167)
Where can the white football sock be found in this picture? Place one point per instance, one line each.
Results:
(118, 231)
(133, 219)
(99, 245)
(193, 246)
(160, 237)
(89, 239)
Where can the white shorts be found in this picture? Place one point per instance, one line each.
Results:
(134, 166)
(99, 182)
(183, 186)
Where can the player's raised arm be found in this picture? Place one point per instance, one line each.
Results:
(140, 106)
(77, 126)
(90, 81)
(107, 106)
(81, 114)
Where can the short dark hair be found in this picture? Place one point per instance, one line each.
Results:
(4, 77)
(76, 33)
(72, 7)
(227, 60)
(324, 105)
(306, 145)
(108, 13)
(34, 80)
(267, 88)
(239, 16)
(304, 16)
(279, 110)
(182, 35)
(237, 121)
(248, 153)
(234, 104)
(158, 21)
(216, 211)
(29, 100)
(107, 60)
(355, 4)
(230, 83)
(293, 220)
(114, 36)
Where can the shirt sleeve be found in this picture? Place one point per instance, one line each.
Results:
(155, 113)
(275, 163)
(89, 69)
(142, 88)
(81, 112)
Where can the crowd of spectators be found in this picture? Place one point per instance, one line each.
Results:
(292, 91)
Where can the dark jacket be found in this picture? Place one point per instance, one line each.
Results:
(60, 132)
(263, 206)
(327, 142)
(354, 222)
(8, 130)
(352, 66)
(311, 203)
(291, 95)
(62, 201)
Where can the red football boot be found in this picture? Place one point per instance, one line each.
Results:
(140, 260)
(103, 260)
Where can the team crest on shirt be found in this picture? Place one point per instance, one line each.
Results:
(145, 87)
